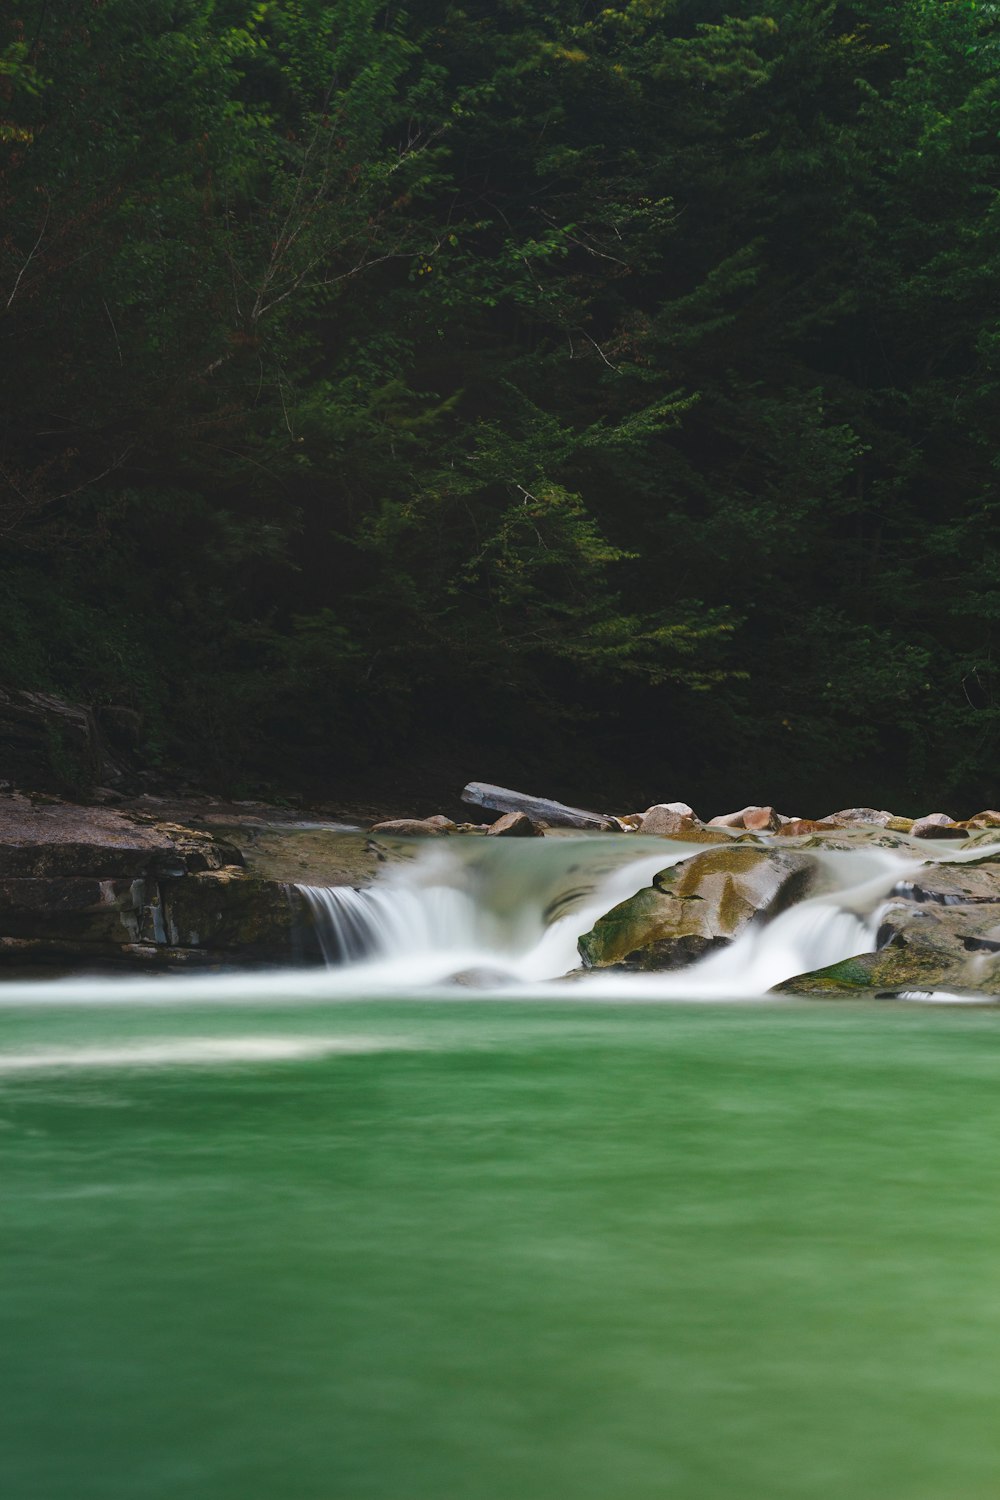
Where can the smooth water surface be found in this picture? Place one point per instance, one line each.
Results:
(499, 1250)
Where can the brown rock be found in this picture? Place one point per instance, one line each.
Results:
(700, 904)
(851, 815)
(769, 820)
(761, 820)
(667, 818)
(416, 827)
(515, 825)
(937, 826)
(988, 819)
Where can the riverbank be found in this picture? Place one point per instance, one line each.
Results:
(860, 901)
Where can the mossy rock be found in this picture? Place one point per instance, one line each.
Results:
(695, 906)
(894, 968)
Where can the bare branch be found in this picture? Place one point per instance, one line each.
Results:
(32, 253)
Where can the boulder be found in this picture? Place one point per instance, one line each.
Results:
(415, 827)
(515, 825)
(761, 819)
(668, 818)
(851, 815)
(987, 819)
(937, 826)
(699, 904)
(939, 931)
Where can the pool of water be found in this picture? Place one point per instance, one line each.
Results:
(499, 1250)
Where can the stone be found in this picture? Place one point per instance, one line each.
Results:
(667, 818)
(769, 820)
(987, 819)
(939, 931)
(851, 815)
(412, 827)
(761, 820)
(937, 826)
(702, 903)
(514, 825)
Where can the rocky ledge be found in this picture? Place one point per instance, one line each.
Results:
(93, 887)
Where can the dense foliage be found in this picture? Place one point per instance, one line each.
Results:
(526, 374)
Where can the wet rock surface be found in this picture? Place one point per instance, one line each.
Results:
(700, 904)
(96, 887)
(515, 825)
(938, 930)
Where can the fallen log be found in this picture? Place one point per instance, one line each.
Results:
(500, 799)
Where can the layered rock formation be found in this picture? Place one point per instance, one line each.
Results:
(91, 887)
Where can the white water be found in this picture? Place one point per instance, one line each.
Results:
(505, 917)
(483, 920)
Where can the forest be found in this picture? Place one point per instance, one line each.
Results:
(602, 394)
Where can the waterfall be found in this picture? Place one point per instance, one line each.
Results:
(395, 920)
(505, 915)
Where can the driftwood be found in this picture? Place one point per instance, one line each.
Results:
(500, 799)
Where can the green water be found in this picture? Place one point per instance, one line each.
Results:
(512, 1251)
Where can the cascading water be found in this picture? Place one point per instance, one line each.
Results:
(511, 914)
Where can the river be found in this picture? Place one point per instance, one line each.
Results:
(314, 1236)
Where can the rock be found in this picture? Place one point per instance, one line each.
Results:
(916, 968)
(50, 744)
(851, 815)
(514, 825)
(941, 931)
(936, 826)
(94, 887)
(445, 824)
(762, 819)
(482, 978)
(899, 825)
(700, 904)
(413, 827)
(696, 833)
(554, 814)
(988, 819)
(668, 818)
